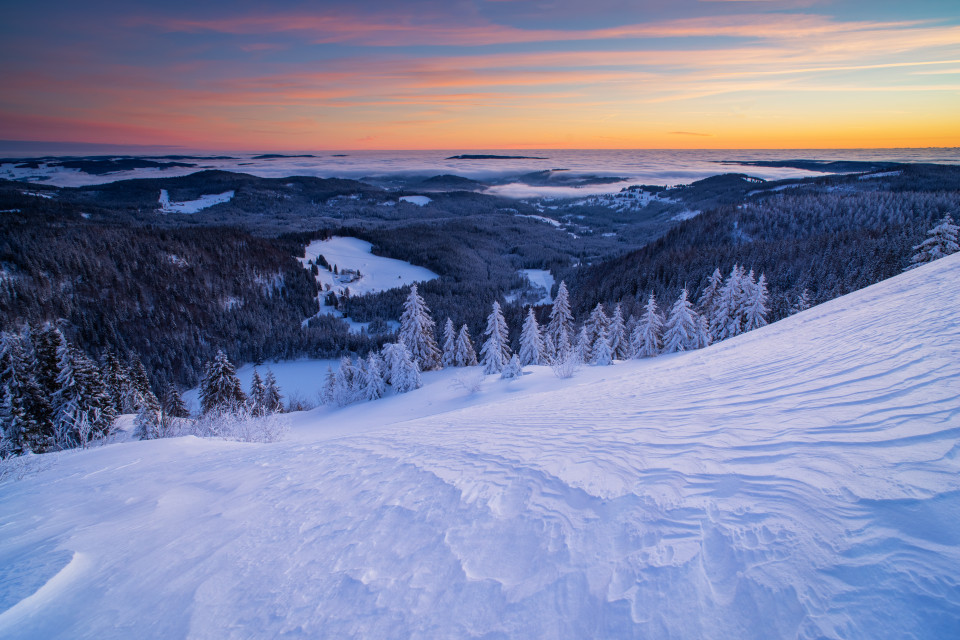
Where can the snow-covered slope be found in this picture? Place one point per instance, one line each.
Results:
(798, 481)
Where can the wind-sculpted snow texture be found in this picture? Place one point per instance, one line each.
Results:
(800, 480)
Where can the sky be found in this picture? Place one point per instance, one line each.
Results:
(483, 74)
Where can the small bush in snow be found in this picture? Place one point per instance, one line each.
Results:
(566, 364)
(241, 426)
(470, 380)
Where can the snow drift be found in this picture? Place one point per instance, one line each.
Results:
(800, 480)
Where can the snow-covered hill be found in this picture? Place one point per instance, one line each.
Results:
(800, 480)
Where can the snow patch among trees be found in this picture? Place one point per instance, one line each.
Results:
(192, 206)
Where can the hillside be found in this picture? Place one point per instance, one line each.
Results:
(797, 481)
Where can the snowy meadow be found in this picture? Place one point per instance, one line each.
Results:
(796, 481)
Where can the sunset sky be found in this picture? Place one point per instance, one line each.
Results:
(483, 74)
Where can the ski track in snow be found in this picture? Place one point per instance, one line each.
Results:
(798, 481)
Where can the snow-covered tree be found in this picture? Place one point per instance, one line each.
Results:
(372, 385)
(496, 349)
(646, 341)
(146, 426)
(941, 241)
(46, 348)
(728, 315)
(600, 352)
(756, 311)
(619, 338)
(272, 398)
(344, 386)
(138, 385)
(256, 395)
(560, 327)
(709, 297)
(464, 355)
(26, 417)
(596, 323)
(531, 341)
(220, 389)
(416, 332)
(449, 358)
(326, 389)
(582, 348)
(83, 409)
(684, 330)
(513, 369)
(116, 378)
(802, 302)
(404, 372)
(173, 405)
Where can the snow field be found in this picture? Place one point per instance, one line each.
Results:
(192, 206)
(800, 480)
(420, 201)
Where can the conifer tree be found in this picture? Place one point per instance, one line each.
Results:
(619, 341)
(25, 413)
(256, 394)
(272, 398)
(416, 332)
(373, 387)
(531, 342)
(802, 302)
(513, 369)
(597, 323)
(683, 330)
(727, 320)
(465, 355)
(496, 349)
(343, 387)
(600, 353)
(647, 337)
(560, 327)
(220, 389)
(449, 358)
(46, 347)
(404, 372)
(115, 378)
(756, 311)
(147, 422)
(941, 241)
(329, 382)
(139, 383)
(711, 293)
(173, 405)
(82, 406)
(582, 348)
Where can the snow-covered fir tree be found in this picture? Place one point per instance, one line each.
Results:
(272, 398)
(146, 426)
(560, 328)
(496, 349)
(683, 330)
(464, 355)
(26, 417)
(801, 303)
(417, 332)
(404, 372)
(646, 341)
(711, 292)
(255, 397)
(727, 319)
(173, 405)
(344, 386)
(513, 369)
(756, 311)
(372, 384)
(449, 358)
(619, 338)
(600, 352)
(326, 389)
(596, 323)
(582, 348)
(46, 348)
(83, 408)
(115, 377)
(531, 342)
(941, 241)
(138, 385)
(220, 389)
